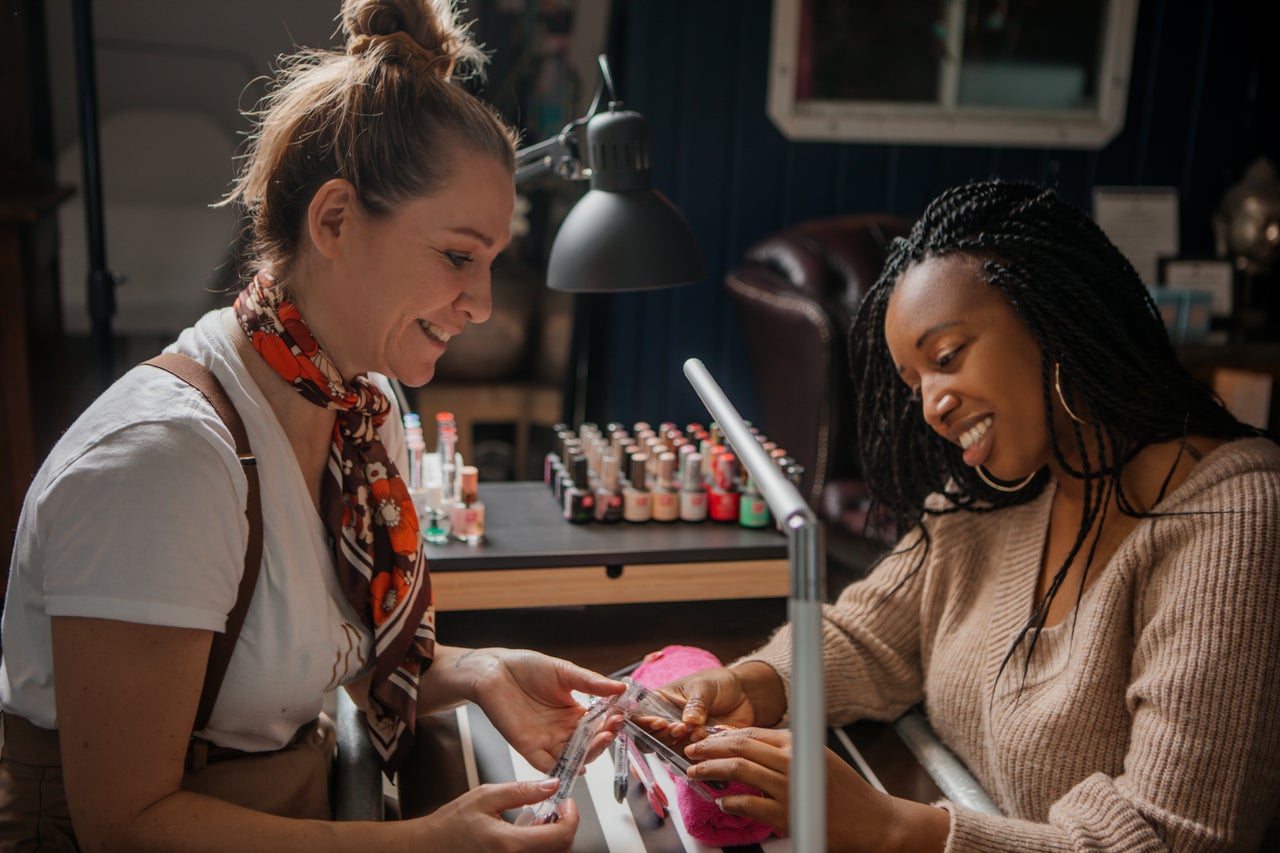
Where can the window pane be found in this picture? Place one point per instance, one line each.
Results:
(873, 50)
(1031, 54)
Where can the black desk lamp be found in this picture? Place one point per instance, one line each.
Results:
(622, 235)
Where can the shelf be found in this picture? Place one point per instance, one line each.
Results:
(522, 404)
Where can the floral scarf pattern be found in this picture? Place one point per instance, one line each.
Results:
(371, 519)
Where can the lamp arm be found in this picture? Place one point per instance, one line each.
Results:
(559, 154)
(540, 158)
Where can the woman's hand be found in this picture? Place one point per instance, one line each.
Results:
(858, 816)
(750, 694)
(473, 822)
(529, 698)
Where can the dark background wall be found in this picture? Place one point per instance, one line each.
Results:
(1204, 101)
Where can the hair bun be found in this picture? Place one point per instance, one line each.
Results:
(424, 33)
(402, 47)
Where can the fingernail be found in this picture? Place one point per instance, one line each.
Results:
(549, 784)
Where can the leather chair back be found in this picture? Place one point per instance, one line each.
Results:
(796, 293)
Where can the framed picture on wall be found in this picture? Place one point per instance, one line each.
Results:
(1214, 276)
(1053, 75)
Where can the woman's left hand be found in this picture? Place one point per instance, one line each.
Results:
(858, 816)
(528, 696)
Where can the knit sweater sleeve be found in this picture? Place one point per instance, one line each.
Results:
(871, 642)
(1202, 770)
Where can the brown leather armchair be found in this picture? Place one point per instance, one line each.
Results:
(796, 293)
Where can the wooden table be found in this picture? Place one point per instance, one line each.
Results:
(532, 557)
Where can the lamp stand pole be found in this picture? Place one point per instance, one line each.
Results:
(574, 402)
(804, 609)
(101, 284)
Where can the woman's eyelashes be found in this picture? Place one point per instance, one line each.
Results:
(943, 360)
(457, 260)
(947, 356)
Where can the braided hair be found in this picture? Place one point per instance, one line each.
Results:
(1101, 338)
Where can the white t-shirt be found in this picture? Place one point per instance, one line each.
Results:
(138, 515)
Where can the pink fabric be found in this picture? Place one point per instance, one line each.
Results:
(703, 820)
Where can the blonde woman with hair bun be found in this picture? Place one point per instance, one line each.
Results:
(380, 192)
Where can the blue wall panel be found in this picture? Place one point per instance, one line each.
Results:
(1203, 103)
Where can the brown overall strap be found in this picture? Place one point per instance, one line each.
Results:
(199, 377)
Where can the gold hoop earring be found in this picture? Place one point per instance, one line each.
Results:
(982, 475)
(1057, 385)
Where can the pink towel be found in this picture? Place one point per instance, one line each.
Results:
(704, 820)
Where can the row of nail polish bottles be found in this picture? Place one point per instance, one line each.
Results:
(659, 475)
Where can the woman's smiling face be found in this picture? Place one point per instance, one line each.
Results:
(972, 362)
(417, 276)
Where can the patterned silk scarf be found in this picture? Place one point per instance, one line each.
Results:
(371, 518)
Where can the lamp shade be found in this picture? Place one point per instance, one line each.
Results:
(623, 234)
(623, 241)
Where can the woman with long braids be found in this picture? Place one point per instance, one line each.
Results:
(380, 192)
(1086, 592)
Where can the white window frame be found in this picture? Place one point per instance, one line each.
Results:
(944, 122)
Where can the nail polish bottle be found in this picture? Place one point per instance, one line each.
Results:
(724, 495)
(447, 448)
(682, 461)
(753, 511)
(609, 495)
(468, 512)
(435, 521)
(636, 504)
(693, 498)
(711, 465)
(561, 477)
(552, 459)
(579, 503)
(655, 450)
(794, 472)
(664, 499)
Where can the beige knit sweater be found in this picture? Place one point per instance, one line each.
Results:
(1154, 726)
